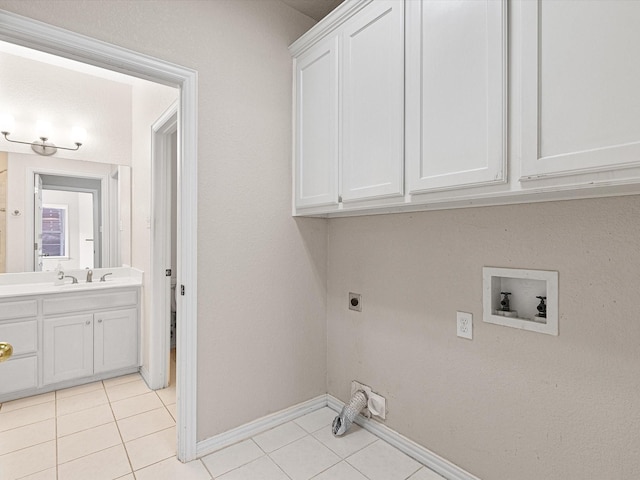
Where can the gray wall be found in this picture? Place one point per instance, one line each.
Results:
(509, 404)
(262, 274)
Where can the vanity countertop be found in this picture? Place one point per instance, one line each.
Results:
(20, 285)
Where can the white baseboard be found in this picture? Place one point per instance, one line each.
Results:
(426, 457)
(260, 425)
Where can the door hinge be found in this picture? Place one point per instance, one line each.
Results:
(182, 290)
(35, 247)
(167, 272)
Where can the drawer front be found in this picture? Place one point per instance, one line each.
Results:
(23, 336)
(18, 374)
(22, 309)
(89, 302)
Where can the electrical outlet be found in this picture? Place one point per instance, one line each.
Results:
(464, 325)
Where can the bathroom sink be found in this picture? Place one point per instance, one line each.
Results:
(86, 285)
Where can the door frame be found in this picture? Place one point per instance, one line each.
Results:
(40, 36)
(161, 181)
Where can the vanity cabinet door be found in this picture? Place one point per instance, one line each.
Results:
(68, 348)
(116, 340)
(455, 94)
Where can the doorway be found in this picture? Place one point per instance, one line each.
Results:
(39, 36)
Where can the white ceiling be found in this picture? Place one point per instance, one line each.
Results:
(316, 9)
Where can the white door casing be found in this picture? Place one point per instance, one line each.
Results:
(37, 223)
(159, 341)
(40, 36)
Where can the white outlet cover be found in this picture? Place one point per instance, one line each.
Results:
(464, 325)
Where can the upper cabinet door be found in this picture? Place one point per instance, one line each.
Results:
(456, 93)
(373, 102)
(580, 84)
(316, 151)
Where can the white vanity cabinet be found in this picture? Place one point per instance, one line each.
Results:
(579, 91)
(18, 327)
(456, 72)
(63, 338)
(67, 348)
(349, 108)
(115, 343)
(89, 334)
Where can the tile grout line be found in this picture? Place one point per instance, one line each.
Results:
(119, 432)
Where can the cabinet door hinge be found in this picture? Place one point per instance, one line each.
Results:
(182, 290)
(167, 272)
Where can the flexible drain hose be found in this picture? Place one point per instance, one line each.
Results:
(349, 412)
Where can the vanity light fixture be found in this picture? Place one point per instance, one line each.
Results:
(41, 146)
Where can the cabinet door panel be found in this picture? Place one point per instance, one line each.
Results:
(456, 94)
(23, 336)
(580, 95)
(373, 103)
(317, 126)
(68, 348)
(116, 340)
(18, 374)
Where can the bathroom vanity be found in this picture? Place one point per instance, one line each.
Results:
(66, 335)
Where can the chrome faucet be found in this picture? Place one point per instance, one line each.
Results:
(73, 279)
(89, 276)
(103, 277)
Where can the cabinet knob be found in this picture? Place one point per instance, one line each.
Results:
(6, 350)
(88, 322)
(100, 321)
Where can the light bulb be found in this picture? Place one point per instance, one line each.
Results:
(7, 123)
(43, 129)
(78, 135)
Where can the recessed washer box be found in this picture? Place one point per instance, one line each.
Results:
(525, 288)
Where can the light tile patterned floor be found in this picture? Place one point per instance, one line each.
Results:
(119, 429)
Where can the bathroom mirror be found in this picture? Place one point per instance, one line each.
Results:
(56, 211)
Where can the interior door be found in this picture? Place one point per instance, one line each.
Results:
(37, 223)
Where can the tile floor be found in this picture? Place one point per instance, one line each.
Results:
(119, 429)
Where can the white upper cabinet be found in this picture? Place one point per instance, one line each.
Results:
(373, 103)
(580, 89)
(406, 105)
(456, 55)
(316, 166)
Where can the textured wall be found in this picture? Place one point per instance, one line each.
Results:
(509, 404)
(261, 277)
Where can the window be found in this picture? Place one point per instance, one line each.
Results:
(55, 234)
